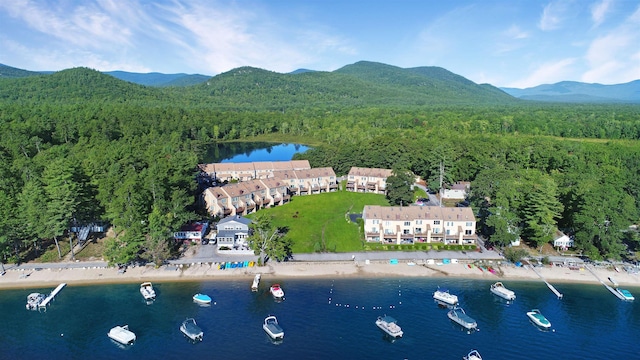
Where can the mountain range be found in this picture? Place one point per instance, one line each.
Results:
(367, 82)
(579, 92)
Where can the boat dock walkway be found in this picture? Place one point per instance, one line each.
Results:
(553, 289)
(53, 294)
(611, 289)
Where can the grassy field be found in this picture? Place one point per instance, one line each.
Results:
(321, 222)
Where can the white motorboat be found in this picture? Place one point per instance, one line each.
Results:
(389, 326)
(34, 300)
(537, 318)
(444, 296)
(277, 291)
(191, 329)
(272, 328)
(625, 294)
(122, 335)
(499, 289)
(256, 283)
(459, 316)
(147, 291)
(473, 355)
(202, 298)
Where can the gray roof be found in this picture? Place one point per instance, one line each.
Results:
(237, 218)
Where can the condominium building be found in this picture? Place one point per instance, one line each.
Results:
(245, 197)
(222, 172)
(309, 181)
(419, 224)
(368, 180)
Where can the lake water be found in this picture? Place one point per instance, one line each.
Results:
(250, 151)
(322, 319)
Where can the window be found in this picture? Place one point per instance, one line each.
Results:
(376, 222)
(436, 222)
(469, 224)
(436, 231)
(418, 230)
(419, 222)
(407, 223)
(449, 223)
(406, 231)
(448, 232)
(468, 232)
(374, 229)
(387, 223)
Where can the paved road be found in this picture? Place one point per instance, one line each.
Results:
(208, 253)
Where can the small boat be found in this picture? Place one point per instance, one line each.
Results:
(473, 355)
(445, 297)
(613, 281)
(122, 335)
(536, 316)
(191, 330)
(277, 291)
(459, 316)
(499, 289)
(625, 294)
(256, 282)
(202, 299)
(34, 300)
(389, 326)
(147, 291)
(272, 328)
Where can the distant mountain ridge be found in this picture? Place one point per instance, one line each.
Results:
(159, 79)
(148, 79)
(579, 92)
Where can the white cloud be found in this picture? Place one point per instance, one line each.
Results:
(86, 25)
(547, 73)
(514, 32)
(613, 57)
(599, 11)
(553, 15)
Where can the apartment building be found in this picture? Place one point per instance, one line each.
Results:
(308, 181)
(251, 170)
(419, 224)
(368, 180)
(245, 197)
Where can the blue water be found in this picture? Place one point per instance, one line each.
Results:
(281, 152)
(322, 319)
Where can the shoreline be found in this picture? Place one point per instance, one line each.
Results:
(50, 277)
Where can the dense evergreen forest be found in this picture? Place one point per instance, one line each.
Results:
(79, 146)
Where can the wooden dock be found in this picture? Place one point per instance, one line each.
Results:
(51, 296)
(611, 289)
(551, 287)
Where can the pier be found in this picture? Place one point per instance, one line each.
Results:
(53, 294)
(611, 289)
(553, 289)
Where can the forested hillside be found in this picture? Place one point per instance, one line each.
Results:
(79, 145)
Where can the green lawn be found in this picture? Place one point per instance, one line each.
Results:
(313, 218)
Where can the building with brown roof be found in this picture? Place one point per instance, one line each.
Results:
(419, 224)
(368, 180)
(222, 172)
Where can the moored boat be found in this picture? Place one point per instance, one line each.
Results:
(473, 355)
(147, 291)
(256, 283)
(499, 289)
(273, 328)
(537, 318)
(625, 294)
(444, 296)
(277, 291)
(122, 335)
(191, 329)
(389, 326)
(459, 316)
(34, 300)
(202, 298)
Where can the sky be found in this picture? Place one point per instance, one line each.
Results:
(506, 43)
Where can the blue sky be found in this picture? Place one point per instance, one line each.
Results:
(514, 43)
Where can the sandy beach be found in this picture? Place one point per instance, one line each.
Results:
(50, 277)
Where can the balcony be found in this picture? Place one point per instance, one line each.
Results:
(251, 206)
(226, 211)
